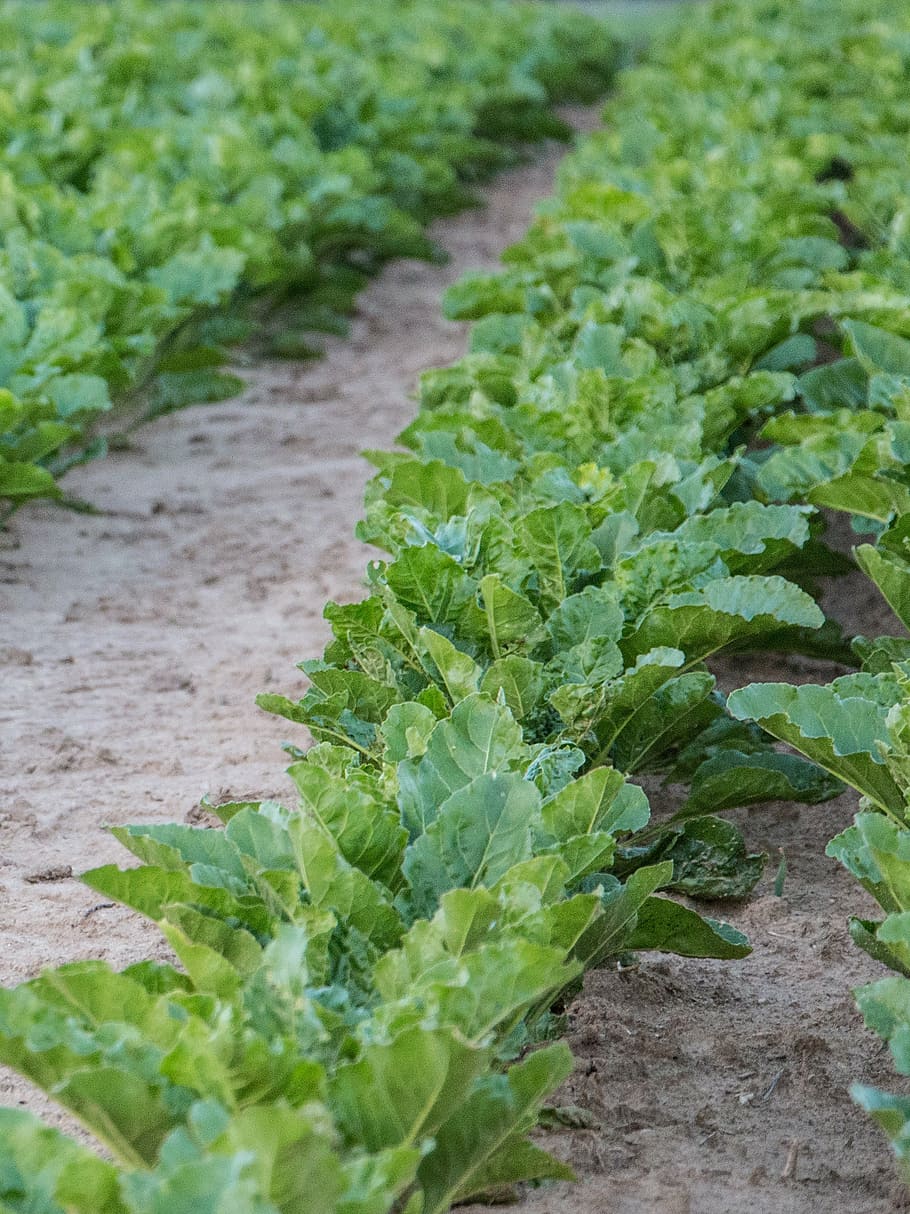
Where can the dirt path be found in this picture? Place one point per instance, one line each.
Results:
(134, 642)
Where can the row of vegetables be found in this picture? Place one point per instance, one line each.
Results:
(161, 160)
(703, 340)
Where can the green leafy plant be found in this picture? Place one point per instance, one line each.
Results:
(620, 481)
(176, 174)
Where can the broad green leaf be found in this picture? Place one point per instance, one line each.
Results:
(876, 851)
(802, 429)
(897, 723)
(845, 460)
(335, 885)
(174, 846)
(669, 927)
(440, 490)
(518, 1160)
(877, 349)
(44, 1172)
(896, 540)
(877, 498)
(892, 1113)
(890, 574)
(518, 680)
(216, 955)
(557, 540)
(476, 1145)
(487, 956)
(499, 983)
(452, 669)
(554, 766)
(480, 832)
(609, 935)
(888, 942)
(586, 665)
(601, 800)
(402, 1091)
(835, 385)
(728, 611)
(125, 1111)
(710, 860)
(41, 444)
(789, 355)
(406, 730)
(277, 999)
(593, 614)
(260, 836)
(584, 630)
(618, 703)
(94, 1039)
(583, 854)
(479, 737)
(661, 566)
(545, 873)
(174, 390)
(291, 1156)
(20, 481)
(885, 1006)
(795, 472)
(201, 276)
(499, 618)
(841, 727)
(600, 346)
(151, 891)
(374, 634)
(190, 1182)
(74, 394)
(731, 779)
(476, 294)
(430, 950)
(431, 583)
(749, 535)
(680, 708)
(367, 698)
(369, 835)
(379, 1181)
(878, 655)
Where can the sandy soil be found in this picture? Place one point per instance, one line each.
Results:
(133, 644)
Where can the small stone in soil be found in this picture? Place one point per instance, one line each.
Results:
(60, 872)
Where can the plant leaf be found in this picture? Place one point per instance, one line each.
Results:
(669, 927)
(841, 727)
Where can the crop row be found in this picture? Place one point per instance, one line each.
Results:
(162, 160)
(704, 338)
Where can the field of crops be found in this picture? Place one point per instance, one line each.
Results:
(681, 428)
(163, 160)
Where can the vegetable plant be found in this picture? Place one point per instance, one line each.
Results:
(180, 177)
(699, 346)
